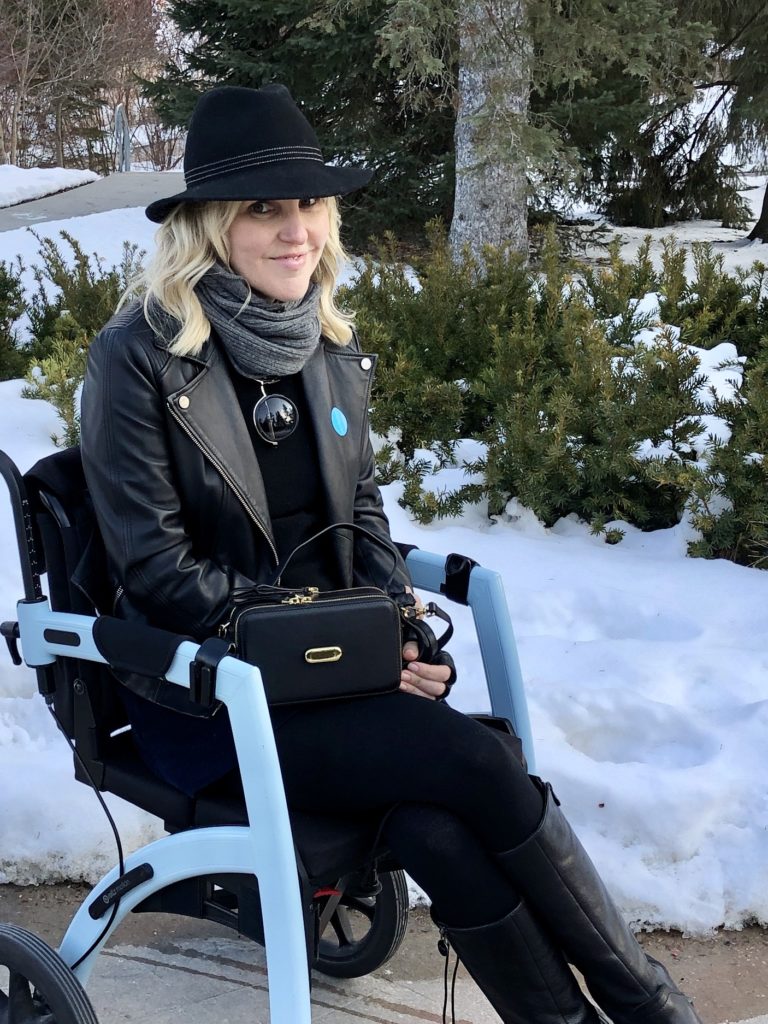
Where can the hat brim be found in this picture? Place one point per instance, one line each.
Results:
(299, 179)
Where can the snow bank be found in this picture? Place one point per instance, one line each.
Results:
(20, 184)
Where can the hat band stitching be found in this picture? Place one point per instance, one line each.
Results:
(266, 151)
(196, 178)
(259, 152)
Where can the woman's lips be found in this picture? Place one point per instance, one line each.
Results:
(292, 262)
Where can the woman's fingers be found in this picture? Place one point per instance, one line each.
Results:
(425, 680)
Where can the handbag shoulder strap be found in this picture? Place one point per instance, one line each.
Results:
(355, 528)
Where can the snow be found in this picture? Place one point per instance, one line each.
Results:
(646, 673)
(732, 243)
(20, 184)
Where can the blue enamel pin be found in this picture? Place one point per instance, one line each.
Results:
(339, 421)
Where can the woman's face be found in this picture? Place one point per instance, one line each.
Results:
(276, 244)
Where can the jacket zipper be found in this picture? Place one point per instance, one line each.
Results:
(230, 480)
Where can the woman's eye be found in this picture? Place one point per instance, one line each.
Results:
(311, 202)
(259, 208)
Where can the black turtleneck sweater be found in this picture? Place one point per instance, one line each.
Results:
(293, 485)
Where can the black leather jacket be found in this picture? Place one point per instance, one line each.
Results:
(176, 484)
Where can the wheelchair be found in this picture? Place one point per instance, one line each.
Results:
(319, 893)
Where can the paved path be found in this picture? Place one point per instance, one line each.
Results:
(160, 969)
(112, 193)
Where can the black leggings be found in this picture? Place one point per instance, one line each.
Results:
(460, 792)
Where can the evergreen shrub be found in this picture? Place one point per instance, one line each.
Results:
(77, 284)
(59, 376)
(577, 414)
(13, 358)
(76, 295)
(729, 505)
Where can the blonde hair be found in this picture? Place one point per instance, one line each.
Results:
(188, 243)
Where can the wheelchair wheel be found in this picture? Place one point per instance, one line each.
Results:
(365, 931)
(36, 986)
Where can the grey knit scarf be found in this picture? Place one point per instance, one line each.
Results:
(263, 338)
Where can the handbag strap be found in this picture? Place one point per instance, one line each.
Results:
(387, 546)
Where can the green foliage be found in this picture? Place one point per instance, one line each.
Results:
(77, 284)
(576, 414)
(75, 296)
(571, 422)
(13, 359)
(433, 340)
(717, 306)
(610, 88)
(713, 306)
(730, 501)
(60, 375)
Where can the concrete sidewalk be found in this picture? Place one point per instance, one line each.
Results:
(112, 193)
(160, 969)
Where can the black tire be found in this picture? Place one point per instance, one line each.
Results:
(40, 986)
(364, 932)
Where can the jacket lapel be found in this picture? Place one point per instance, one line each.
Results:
(206, 407)
(337, 386)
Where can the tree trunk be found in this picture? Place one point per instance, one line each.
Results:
(760, 231)
(494, 84)
(59, 122)
(3, 150)
(15, 117)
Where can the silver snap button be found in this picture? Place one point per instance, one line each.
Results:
(183, 402)
(366, 363)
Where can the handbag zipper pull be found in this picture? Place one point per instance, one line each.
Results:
(303, 596)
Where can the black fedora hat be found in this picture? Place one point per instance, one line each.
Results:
(254, 144)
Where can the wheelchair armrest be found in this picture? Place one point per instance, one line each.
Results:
(135, 647)
(482, 589)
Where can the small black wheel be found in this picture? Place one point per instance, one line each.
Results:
(365, 931)
(39, 987)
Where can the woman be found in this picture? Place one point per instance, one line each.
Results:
(224, 420)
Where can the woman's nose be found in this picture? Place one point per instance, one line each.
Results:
(293, 228)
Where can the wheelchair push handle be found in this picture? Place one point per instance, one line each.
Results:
(25, 533)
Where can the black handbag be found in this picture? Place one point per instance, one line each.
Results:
(314, 645)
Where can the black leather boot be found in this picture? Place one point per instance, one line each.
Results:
(523, 975)
(562, 887)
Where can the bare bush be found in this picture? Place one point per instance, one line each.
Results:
(66, 65)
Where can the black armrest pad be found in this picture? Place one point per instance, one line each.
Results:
(134, 647)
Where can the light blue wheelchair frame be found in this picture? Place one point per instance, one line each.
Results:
(263, 848)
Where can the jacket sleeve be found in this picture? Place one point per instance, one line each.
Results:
(130, 475)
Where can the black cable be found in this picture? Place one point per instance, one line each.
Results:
(111, 820)
(445, 988)
(444, 949)
(453, 990)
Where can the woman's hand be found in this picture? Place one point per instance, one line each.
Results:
(429, 681)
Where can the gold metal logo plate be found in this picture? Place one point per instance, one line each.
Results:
(322, 655)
